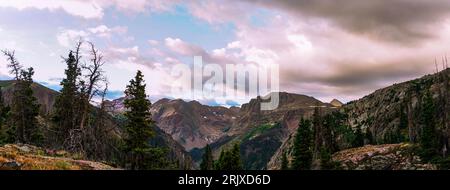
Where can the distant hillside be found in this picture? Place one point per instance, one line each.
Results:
(45, 96)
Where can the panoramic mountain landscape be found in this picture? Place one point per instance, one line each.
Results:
(388, 119)
(224, 85)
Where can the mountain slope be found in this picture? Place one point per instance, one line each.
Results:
(379, 113)
(45, 96)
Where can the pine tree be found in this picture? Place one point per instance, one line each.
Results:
(236, 157)
(284, 162)
(33, 133)
(303, 146)
(229, 159)
(66, 108)
(139, 127)
(207, 161)
(325, 160)
(24, 109)
(428, 141)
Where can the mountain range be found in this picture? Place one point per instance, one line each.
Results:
(188, 126)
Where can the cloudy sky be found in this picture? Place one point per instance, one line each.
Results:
(327, 49)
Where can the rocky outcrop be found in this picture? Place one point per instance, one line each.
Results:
(381, 157)
(381, 111)
(27, 157)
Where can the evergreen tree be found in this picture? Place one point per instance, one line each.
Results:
(236, 157)
(229, 159)
(325, 160)
(303, 146)
(66, 113)
(139, 127)
(284, 162)
(359, 138)
(24, 109)
(207, 161)
(369, 137)
(429, 138)
(221, 161)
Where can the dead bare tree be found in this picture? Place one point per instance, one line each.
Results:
(15, 66)
(94, 75)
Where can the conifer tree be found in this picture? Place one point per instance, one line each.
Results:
(229, 159)
(65, 113)
(359, 137)
(303, 146)
(139, 127)
(207, 161)
(429, 139)
(24, 109)
(284, 162)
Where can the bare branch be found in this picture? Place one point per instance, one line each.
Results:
(14, 65)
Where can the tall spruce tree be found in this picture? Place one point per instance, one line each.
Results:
(429, 138)
(207, 161)
(65, 113)
(25, 108)
(303, 146)
(139, 127)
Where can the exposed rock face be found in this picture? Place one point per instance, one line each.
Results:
(192, 124)
(381, 157)
(380, 111)
(27, 157)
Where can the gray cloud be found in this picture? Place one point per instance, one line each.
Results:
(350, 77)
(406, 22)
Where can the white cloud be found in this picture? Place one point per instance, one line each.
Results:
(92, 9)
(179, 46)
(84, 9)
(67, 38)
